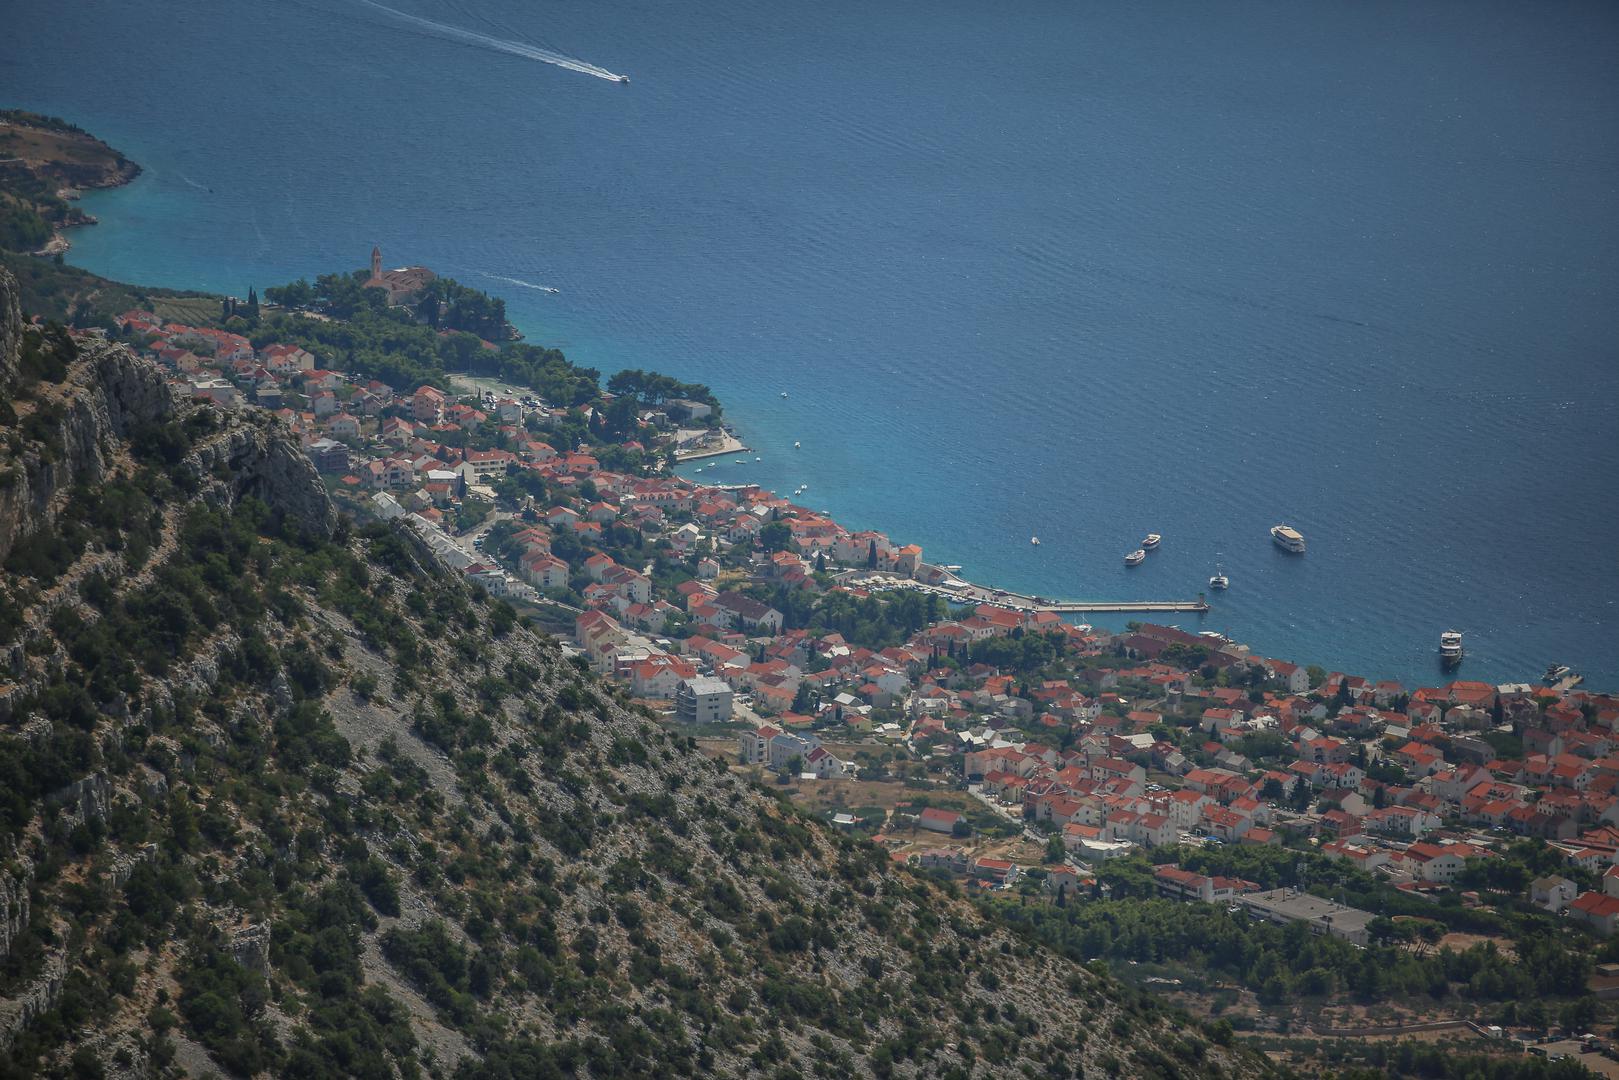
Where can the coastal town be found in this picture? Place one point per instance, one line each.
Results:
(993, 742)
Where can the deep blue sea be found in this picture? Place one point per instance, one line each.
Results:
(1076, 269)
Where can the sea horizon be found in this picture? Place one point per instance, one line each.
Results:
(1397, 335)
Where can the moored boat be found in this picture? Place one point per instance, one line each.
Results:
(1450, 648)
(1288, 538)
(1135, 558)
(1152, 540)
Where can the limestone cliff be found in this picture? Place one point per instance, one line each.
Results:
(109, 395)
(10, 331)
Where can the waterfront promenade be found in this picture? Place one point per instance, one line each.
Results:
(961, 591)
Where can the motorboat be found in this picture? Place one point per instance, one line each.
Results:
(1288, 538)
(1219, 580)
(1152, 541)
(1135, 558)
(1035, 540)
(1556, 673)
(1450, 647)
(796, 445)
(625, 79)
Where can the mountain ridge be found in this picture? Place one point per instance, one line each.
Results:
(282, 798)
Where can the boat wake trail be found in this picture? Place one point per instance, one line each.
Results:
(519, 282)
(485, 41)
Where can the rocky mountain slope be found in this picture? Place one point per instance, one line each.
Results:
(279, 798)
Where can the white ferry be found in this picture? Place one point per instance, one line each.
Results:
(1450, 647)
(1288, 538)
(1219, 580)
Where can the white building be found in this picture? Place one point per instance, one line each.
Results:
(703, 700)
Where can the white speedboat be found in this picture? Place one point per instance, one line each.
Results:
(784, 393)
(1556, 673)
(1135, 558)
(1450, 647)
(1219, 580)
(1288, 538)
(1152, 541)
(1035, 540)
(796, 445)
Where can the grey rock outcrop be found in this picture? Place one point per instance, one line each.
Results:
(263, 462)
(87, 799)
(15, 885)
(19, 1011)
(10, 329)
(109, 395)
(250, 947)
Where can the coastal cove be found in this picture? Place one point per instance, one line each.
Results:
(1063, 312)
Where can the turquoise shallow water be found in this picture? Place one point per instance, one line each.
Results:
(1070, 269)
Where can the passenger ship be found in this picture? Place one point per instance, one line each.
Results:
(1288, 538)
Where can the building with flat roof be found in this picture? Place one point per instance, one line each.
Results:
(703, 700)
(1285, 906)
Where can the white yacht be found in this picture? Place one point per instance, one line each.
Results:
(1152, 541)
(1219, 580)
(1288, 538)
(1035, 540)
(1450, 647)
(796, 445)
(1135, 558)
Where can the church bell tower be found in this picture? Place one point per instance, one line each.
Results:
(376, 263)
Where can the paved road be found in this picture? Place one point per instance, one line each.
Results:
(495, 517)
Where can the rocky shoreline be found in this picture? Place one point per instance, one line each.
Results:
(47, 151)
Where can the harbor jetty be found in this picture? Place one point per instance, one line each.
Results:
(719, 446)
